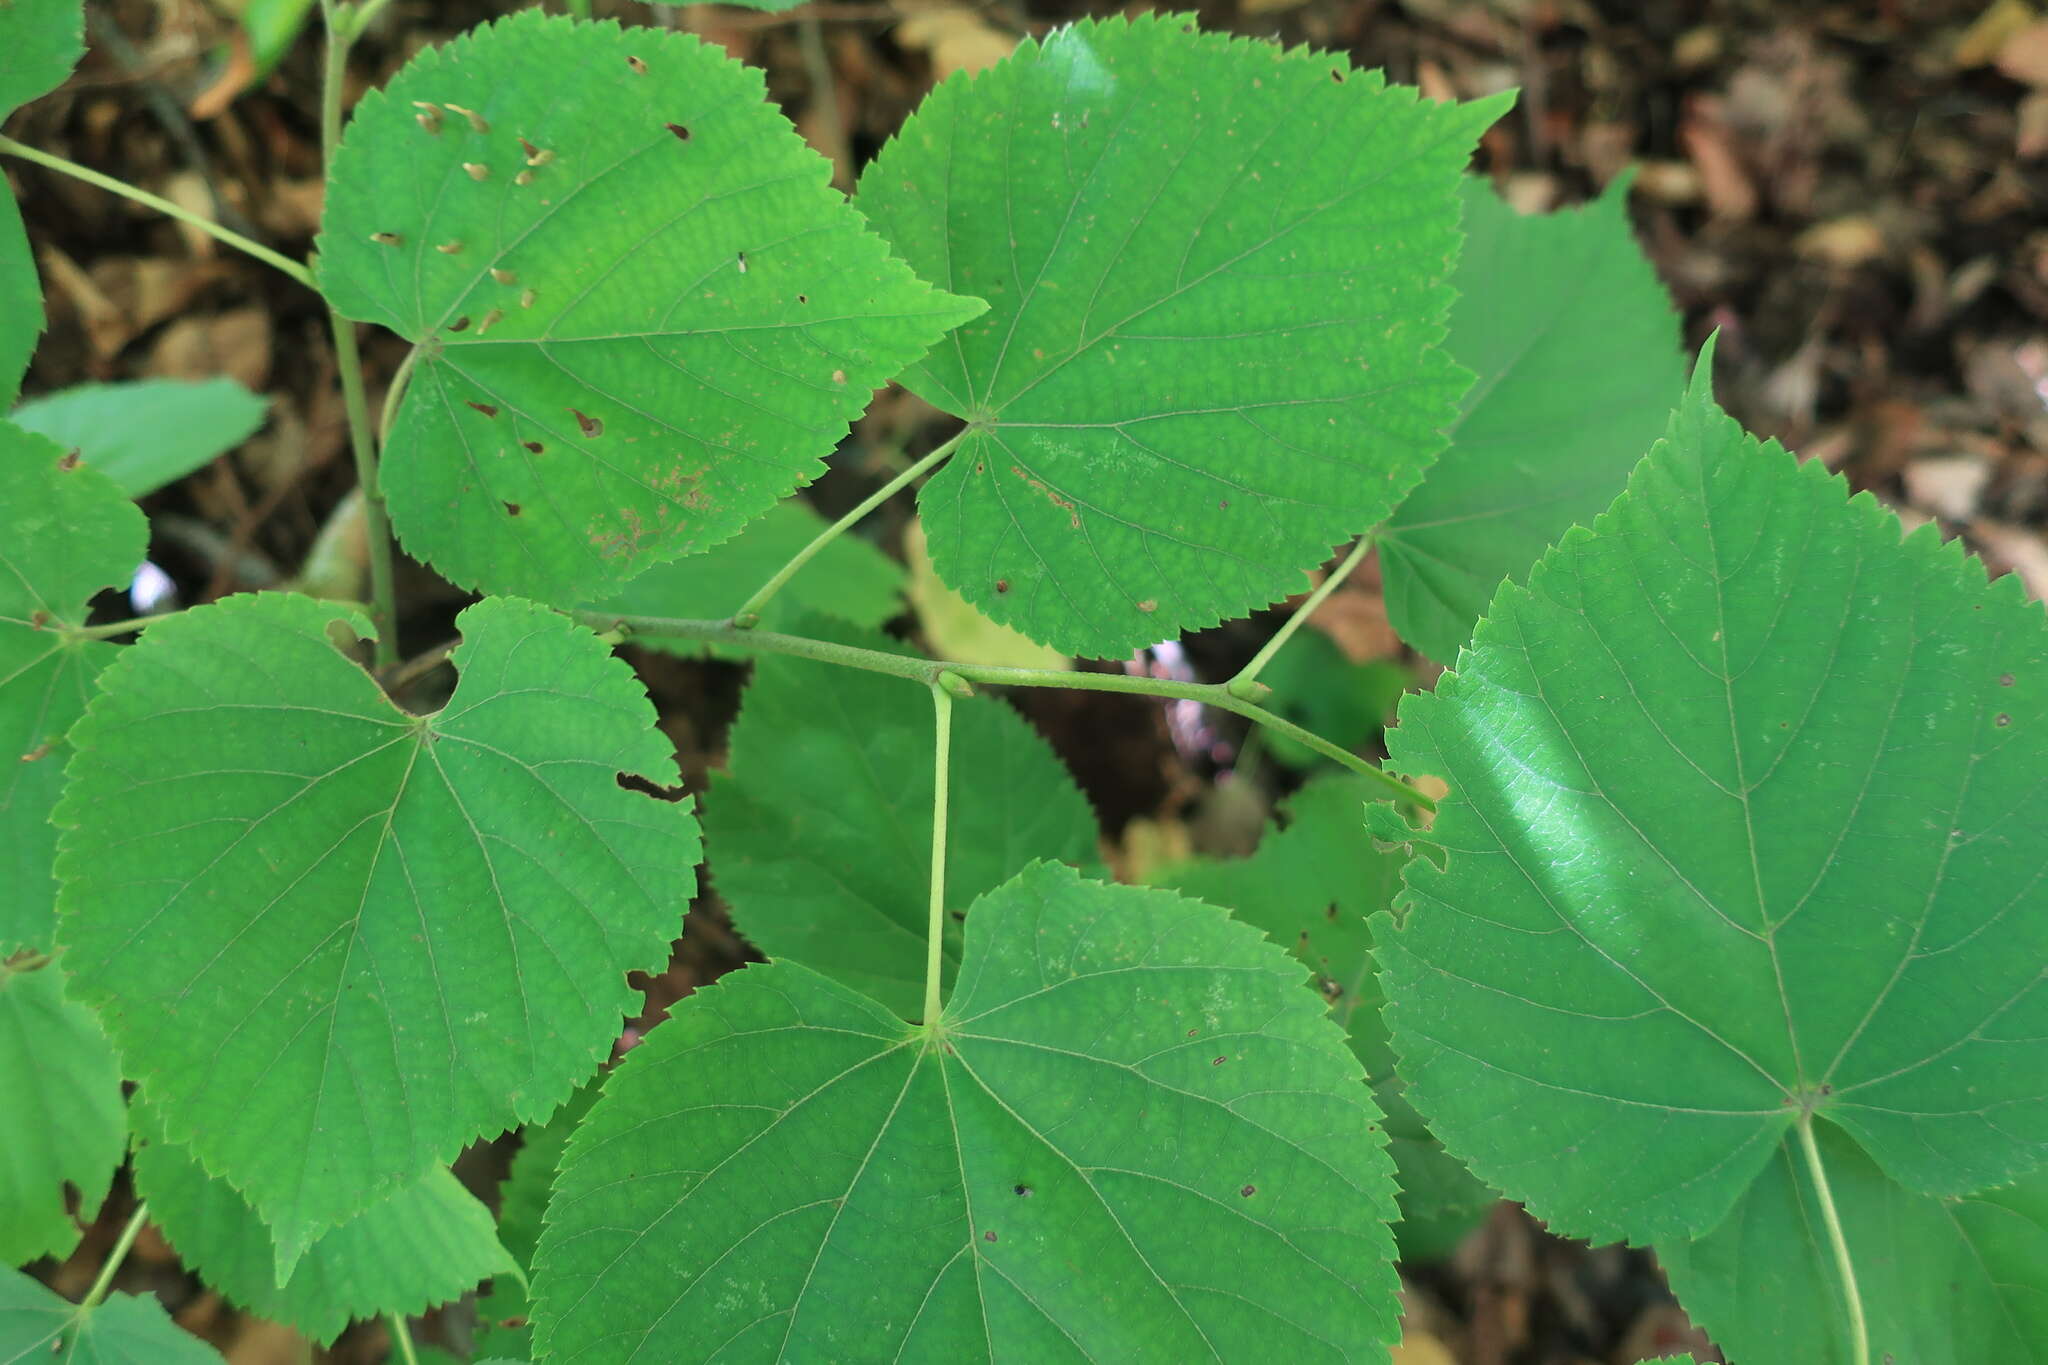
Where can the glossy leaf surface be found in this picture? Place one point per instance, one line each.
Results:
(644, 315)
(1137, 1138)
(1745, 819)
(63, 1120)
(69, 533)
(335, 941)
(820, 837)
(1576, 349)
(145, 434)
(1216, 271)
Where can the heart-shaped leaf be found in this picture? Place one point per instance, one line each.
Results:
(1216, 274)
(1744, 826)
(336, 941)
(643, 314)
(1134, 1136)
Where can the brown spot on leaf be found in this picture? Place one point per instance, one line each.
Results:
(634, 782)
(1149, 605)
(1217, 1061)
(839, 376)
(590, 426)
(453, 248)
(682, 133)
(2005, 680)
(523, 178)
(1248, 1191)
(989, 1236)
(535, 446)
(486, 409)
(1002, 586)
(512, 509)
(460, 324)
(476, 120)
(41, 751)
(2002, 720)
(1021, 1191)
(68, 461)
(477, 170)
(386, 238)
(503, 276)
(639, 67)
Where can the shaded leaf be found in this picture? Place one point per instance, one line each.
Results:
(820, 834)
(21, 298)
(849, 580)
(1949, 1281)
(146, 434)
(425, 1244)
(609, 247)
(63, 1119)
(124, 1329)
(70, 533)
(1310, 885)
(387, 934)
(1135, 1137)
(1317, 687)
(502, 1311)
(1744, 821)
(1216, 274)
(953, 629)
(1576, 349)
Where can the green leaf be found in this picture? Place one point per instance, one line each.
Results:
(1134, 1137)
(1744, 822)
(63, 1120)
(1952, 1281)
(1216, 274)
(1577, 351)
(849, 580)
(335, 941)
(42, 41)
(821, 834)
(124, 1329)
(1317, 687)
(634, 337)
(21, 298)
(69, 533)
(1311, 886)
(953, 629)
(148, 433)
(503, 1326)
(429, 1242)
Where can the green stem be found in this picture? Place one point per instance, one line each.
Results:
(1859, 1333)
(342, 27)
(114, 628)
(358, 17)
(942, 765)
(928, 672)
(105, 1282)
(750, 611)
(1247, 677)
(401, 1336)
(229, 236)
(393, 394)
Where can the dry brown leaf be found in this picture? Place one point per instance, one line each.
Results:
(1420, 1348)
(957, 39)
(1727, 186)
(1981, 41)
(2024, 55)
(235, 343)
(1842, 242)
(2031, 136)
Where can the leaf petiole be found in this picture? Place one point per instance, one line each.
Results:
(228, 236)
(930, 672)
(401, 1337)
(749, 613)
(1242, 686)
(112, 1267)
(1859, 1332)
(942, 762)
